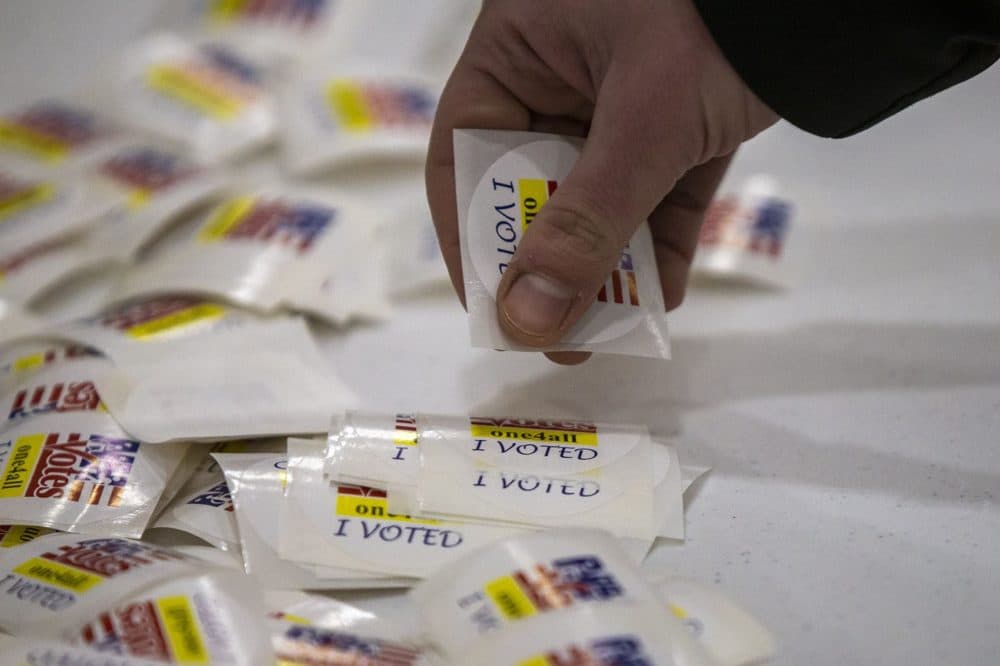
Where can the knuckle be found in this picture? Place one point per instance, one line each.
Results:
(581, 233)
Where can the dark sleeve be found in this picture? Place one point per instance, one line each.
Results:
(836, 68)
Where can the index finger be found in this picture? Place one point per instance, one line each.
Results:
(472, 99)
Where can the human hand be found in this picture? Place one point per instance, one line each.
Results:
(662, 110)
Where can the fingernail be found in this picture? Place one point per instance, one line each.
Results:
(536, 304)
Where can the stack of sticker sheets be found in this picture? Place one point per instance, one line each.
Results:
(179, 462)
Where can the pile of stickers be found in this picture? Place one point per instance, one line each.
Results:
(170, 430)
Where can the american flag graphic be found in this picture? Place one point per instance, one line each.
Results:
(406, 429)
(301, 644)
(364, 105)
(147, 169)
(68, 125)
(290, 223)
(302, 12)
(621, 286)
(759, 227)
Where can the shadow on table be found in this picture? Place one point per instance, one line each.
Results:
(828, 357)
(766, 451)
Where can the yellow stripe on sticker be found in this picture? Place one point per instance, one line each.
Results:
(29, 141)
(225, 10)
(227, 216)
(193, 90)
(510, 599)
(21, 534)
(20, 463)
(534, 434)
(297, 619)
(196, 313)
(183, 632)
(137, 199)
(358, 506)
(405, 438)
(348, 105)
(28, 362)
(58, 574)
(534, 192)
(678, 612)
(29, 197)
(540, 660)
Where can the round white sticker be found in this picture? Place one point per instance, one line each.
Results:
(505, 202)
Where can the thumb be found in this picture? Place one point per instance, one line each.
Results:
(576, 239)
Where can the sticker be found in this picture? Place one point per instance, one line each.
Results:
(610, 634)
(279, 247)
(30, 271)
(256, 483)
(365, 106)
(52, 132)
(62, 579)
(17, 323)
(209, 97)
(351, 527)
(151, 186)
(194, 620)
(162, 317)
(373, 449)
(147, 172)
(529, 471)
(35, 211)
(21, 196)
(78, 471)
(355, 112)
(730, 634)
(124, 331)
(296, 643)
(744, 235)
(27, 358)
(212, 81)
(503, 180)
(259, 379)
(524, 577)
(295, 13)
(204, 507)
(281, 222)
(278, 33)
(18, 652)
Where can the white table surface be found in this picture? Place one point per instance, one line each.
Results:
(852, 422)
